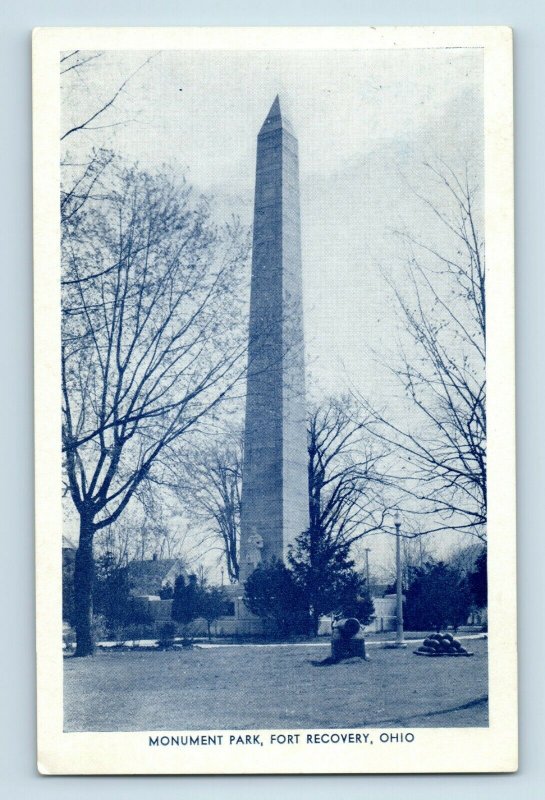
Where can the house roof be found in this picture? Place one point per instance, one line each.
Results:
(147, 577)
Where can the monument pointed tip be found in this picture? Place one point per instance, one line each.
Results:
(274, 110)
(275, 118)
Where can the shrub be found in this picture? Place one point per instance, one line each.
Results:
(68, 636)
(101, 631)
(136, 632)
(167, 632)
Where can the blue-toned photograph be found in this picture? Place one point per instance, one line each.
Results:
(273, 389)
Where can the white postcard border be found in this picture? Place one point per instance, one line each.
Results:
(433, 750)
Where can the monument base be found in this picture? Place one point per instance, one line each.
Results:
(242, 622)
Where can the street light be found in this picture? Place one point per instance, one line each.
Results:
(400, 642)
(367, 551)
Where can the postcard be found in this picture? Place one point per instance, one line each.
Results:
(275, 428)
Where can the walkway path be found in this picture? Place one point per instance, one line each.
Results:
(325, 643)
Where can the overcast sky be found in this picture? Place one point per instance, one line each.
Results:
(365, 120)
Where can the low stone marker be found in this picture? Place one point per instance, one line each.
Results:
(441, 644)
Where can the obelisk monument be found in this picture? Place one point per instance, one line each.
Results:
(275, 474)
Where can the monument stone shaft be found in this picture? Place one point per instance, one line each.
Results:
(275, 473)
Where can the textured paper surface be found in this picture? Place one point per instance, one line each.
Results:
(433, 750)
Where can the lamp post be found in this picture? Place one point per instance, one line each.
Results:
(367, 551)
(400, 642)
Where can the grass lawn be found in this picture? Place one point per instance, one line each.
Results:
(273, 687)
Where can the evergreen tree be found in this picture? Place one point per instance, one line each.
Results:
(438, 597)
(478, 581)
(362, 606)
(272, 593)
(166, 592)
(187, 601)
(324, 571)
(111, 596)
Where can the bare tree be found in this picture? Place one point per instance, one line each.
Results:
(76, 62)
(152, 341)
(213, 487)
(132, 539)
(82, 178)
(345, 505)
(345, 479)
(441, 441)
(345, 500)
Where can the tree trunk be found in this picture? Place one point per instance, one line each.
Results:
(314, 622)
(84, 573)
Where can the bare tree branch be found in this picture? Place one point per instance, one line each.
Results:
(107, 104)
(442, 455)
